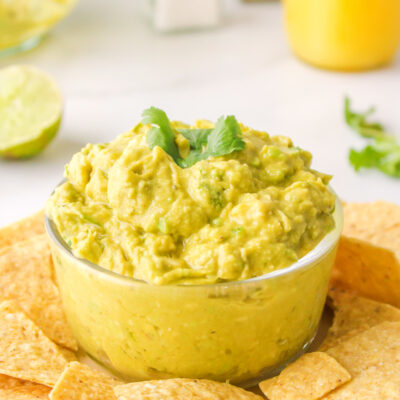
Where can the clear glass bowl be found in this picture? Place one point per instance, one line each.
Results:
(240, 331)
(24, 22)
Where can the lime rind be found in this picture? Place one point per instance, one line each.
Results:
(34, 147)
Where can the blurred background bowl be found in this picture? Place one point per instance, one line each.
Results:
(23, 23)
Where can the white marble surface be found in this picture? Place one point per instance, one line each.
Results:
(111, 65)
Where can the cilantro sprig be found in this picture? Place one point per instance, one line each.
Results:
(383, 150)
(224, 139)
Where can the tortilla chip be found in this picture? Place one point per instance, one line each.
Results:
(377, 347)
(355, 314)
(377, 222)
(80, 382)
(373, 359)
(371, 384)
(22, 230)
(16, 389)
(25, 352)
(182, 389)
(369, 270)
(26, 275)
(312, 376)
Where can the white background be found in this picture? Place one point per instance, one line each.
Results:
(111, 65)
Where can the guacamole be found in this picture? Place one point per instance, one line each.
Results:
(133, 210)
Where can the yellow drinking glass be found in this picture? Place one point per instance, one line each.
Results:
(346, 35)
(24, 22)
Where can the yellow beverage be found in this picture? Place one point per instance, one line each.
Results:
(22, 22)
(344, 34)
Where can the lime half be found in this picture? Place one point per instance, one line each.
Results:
(30, 111)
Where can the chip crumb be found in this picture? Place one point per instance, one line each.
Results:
(312, 376)
(25, 352)
(22, 230)
(80, 382)
(182, 389)
(26, 275)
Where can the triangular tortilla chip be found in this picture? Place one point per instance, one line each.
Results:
(376, 222)
(372, 384)
(373, 359)
(354, 315)
(376, 347)
(182, 389)
(368, 259)
(26, 275)
(80, 382)
(312, 376)
(369, 270)
(22, 230)
(25, 352)
(16, 389)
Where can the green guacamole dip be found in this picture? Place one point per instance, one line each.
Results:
(131, 209)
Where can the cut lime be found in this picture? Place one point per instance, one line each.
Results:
(30, 111)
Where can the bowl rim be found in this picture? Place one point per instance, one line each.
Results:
(325, 245)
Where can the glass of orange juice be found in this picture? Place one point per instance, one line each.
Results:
(24, 22)
(346, 35)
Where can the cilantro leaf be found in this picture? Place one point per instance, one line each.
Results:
(196, 137)
(383, 151)
(224, 139)
(162, 135)
(358, 122)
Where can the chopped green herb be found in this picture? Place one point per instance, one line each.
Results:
(216, 196)
(383, 151)
(224, 139)
(90, 220)
(163, 225)
(238, 230)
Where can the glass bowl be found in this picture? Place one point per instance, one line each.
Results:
(24, 22)
(241, 331)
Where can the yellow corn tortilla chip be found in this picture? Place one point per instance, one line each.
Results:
(22, 230)
(16, 389)
(355, 314)
(182, 389)
(369, 270)
(80, 382)
(25, 352)
(312, 376)
(377, 347)
(373, 359)
(377, 222)
(26, 275)
(372, 384)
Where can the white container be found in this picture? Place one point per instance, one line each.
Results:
(177, 15)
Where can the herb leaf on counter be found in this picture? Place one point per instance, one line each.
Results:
(383, 151)
(224, 139)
